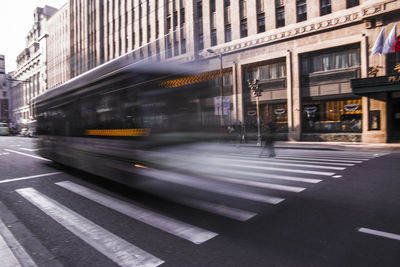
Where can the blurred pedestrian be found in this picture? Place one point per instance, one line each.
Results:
(268, 136)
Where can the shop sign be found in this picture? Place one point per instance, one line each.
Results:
(251, 113)
(311, 109)
(279, 111)
(351, 107)
(394, 79)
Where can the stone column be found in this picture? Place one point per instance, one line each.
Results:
(295, 96)
(251, 17)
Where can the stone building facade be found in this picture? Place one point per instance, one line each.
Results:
(304, 54)
(4, 92)
(30, 75)
(58, 47)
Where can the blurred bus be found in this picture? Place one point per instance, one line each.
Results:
(4, 128)
(104, 121)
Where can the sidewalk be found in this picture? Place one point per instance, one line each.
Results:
(375, 147)
(349, 146)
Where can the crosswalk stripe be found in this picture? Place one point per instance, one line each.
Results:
(281, 169)
(29, 177)
(32, 156)
(379, 233)
(118, 250)
(183, 230)
(287, 164)
(279, 159)
(274, 176)
(339, 158)
(319, 159)
(188, 180)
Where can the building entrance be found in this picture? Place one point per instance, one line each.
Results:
(395, 120)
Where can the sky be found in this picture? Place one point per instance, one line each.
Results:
(16, 20)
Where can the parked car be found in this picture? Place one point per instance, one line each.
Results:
(4, 129)
(24, 132)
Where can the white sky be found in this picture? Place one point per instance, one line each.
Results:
(16, 20)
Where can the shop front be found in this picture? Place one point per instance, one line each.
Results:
(381, 98)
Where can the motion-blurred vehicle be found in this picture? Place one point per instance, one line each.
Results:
(24, 132)
(4, 128)
(106, 120)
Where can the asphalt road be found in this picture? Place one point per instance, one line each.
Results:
(230, 208)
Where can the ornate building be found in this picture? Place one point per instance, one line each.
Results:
(30, 75)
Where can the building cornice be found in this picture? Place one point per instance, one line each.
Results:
(328, 22)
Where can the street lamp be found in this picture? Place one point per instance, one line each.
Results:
(256, 91)
(221, 84)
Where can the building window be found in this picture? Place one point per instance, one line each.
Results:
(140, 36)
(175, 19)
(213, 37)
(183, 46)
(325, 7)
(212, 6)
(4, 94)
(260, 22)
(326, 61)
(148, 33)
(243, 9)
(301, 10)
(280, 16)
(176, 48)
(260, 6)
(228, 33)
(332, 116)
(243, 28)
(168, 23)
(227, 3)
(201, 41)
(200, 9)
(182, 16)
(169, 50)
(352, 3)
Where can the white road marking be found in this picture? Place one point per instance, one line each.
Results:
(379, 233)
(29, 149)
(222, 210)
(183, 230)
(337, 176)
(339, 158)
(319, 159)
(11, 250)
(298, 161)
(288, 164)
(32, 156)
(288, 188)
(188, 180)
(118, 250)
(28, 177)
(5, 153)
(281, 169)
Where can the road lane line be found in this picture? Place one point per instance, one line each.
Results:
(329, 157)
(11, 251)
(118, 250)
(379, 233)
(190, 181)
(29, 149)
(32, 156)
(183, 230)
(29, 177)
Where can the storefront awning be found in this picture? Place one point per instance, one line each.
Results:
(375, 85)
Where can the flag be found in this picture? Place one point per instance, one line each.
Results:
(397, 47)
(390, 42)
(377, 48)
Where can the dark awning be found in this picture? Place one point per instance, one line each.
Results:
(376, 84)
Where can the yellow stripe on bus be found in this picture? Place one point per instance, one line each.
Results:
(119, 132)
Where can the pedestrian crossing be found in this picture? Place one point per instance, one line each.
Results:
(223, 171)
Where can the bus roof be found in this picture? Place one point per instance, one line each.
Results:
(118, 65)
